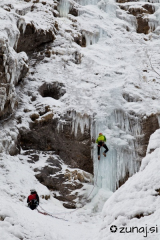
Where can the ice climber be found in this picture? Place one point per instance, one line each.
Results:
(33, 199)
(101, 142)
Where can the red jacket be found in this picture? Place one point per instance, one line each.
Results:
(32, 197)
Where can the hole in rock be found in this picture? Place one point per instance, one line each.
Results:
(54, 90)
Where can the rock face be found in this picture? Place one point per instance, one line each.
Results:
(73, 11)
(63, 183)
(143, 26)
(149, 126)
(13, 67)
(78, 175)
(31, 38)
(75, 150)
(80, 40)
(141, 14)
(59, 184)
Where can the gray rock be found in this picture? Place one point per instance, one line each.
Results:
(74, 150)
(69, 206)
(8, 79)
(58, 182)
(54, 163)
(32, 38)
(34, 158)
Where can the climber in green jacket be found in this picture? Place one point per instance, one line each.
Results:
(101, 142)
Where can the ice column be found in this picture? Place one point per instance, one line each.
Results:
(153, 24)
(87, 2)
(91, 37)
(122, 160)
(64, 7)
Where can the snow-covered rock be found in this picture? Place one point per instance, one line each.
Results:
(13, 66)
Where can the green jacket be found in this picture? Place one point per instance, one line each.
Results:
(101, 138)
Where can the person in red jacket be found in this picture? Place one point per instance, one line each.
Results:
(33, 199)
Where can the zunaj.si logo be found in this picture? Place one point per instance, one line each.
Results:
(113, 228)
(144, 230)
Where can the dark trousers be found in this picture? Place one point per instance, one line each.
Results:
(33, 204)
(102, 144)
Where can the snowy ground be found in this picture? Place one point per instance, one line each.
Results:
(19, 222)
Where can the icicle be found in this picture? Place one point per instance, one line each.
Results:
(22, 23)
(2, 98)
(78, 121)
(64, 7)
(4, 59)
(87, 2)
(158, 116)
(153, 24)
(91, 38)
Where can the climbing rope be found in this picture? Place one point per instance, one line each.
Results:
(53, 215)
(91, 190)
(94, 182)
(48, 214)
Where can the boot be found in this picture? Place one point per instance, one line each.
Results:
(99, 157)
(104, 154)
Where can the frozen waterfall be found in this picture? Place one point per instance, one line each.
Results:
(87, 2)
(121, 131)
(122, 159)
(120, 128)
(64, 7)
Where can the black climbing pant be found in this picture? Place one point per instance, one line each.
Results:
(102, 144)
(33, 204)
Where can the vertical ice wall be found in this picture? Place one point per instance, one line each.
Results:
(91, 37)
(87, 2)
(63, 8)
(121, 130)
